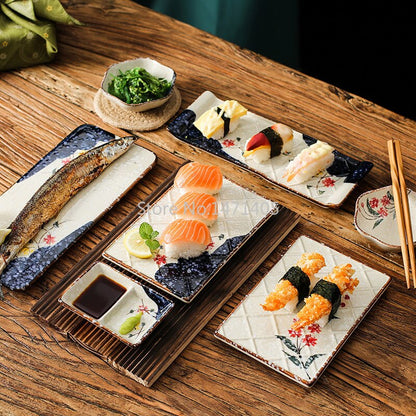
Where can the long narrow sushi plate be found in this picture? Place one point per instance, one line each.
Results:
(329, 188)
(301, 355)
(147, 361)
(80, 213)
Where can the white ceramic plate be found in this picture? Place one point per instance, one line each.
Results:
(240, 213)
(267, 337)
(327, 189)
(137, 298)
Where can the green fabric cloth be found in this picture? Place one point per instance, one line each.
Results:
(27, 31)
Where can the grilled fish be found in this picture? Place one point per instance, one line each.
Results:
(50, 198)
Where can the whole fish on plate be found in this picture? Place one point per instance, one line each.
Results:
(51, 197)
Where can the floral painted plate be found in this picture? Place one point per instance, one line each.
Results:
(375, 217)
(80, 213)
(137, 299)
(240, 214)
(329, 188)
(300, 355)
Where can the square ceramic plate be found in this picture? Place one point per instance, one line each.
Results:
(136, 298)
(240, 213)
(80, 213)
(267, 337)
(329, 188)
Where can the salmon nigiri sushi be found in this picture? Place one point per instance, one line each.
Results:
(196, 177)
(185, 238)
(309, 162)
(197, 206)
(325, 297)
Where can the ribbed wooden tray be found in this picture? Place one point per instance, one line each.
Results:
(146, 363)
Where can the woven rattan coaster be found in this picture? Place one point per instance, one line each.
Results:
(130, 120)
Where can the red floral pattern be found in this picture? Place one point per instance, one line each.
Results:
(160, 259)
(309, 340)
(383, 212)
(328, 182)
(314, 328)
(385, 200)
(295, 334)
(373, 202)
(49, 239)
(228, 143)
(143, 308)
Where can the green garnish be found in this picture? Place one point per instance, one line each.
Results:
(130, 323)
(136, 86)
(149, 236)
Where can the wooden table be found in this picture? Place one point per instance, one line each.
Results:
(44, 373)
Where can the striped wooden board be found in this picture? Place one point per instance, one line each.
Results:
(148, 361)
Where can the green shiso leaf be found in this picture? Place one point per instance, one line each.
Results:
(145, 230)
(152, 244)
(136, 86)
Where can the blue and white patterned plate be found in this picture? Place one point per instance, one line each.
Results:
(80, 213)
(329, 188)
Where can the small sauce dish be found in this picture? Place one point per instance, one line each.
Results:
(107, 298)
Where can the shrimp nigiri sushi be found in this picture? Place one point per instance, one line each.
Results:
(309, 162)
(294, 286)
(197, 206)
(185, 238)
(268, 143)
(217, 122)
(196, 177)
(325, 298)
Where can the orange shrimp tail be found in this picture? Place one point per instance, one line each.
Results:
(342, 276)
(311, 263)
(315, 308)
(281, 295)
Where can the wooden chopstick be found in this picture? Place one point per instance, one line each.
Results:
(401, 204)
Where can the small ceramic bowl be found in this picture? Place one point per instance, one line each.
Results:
(151, 66)
(375, 217)
(136, 299)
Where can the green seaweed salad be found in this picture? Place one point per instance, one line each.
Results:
(136, 86)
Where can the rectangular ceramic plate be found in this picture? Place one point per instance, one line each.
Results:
(240, 213)
(329, 188)
(266, 336)
(80, 213)
(137, 298)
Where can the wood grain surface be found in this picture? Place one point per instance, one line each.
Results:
(43, 373)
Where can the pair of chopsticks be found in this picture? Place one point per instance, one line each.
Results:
(401, 204)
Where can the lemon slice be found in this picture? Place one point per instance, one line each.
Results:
(4, 232)
(135, 244)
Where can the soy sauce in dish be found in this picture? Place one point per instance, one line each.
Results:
(99, 296)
